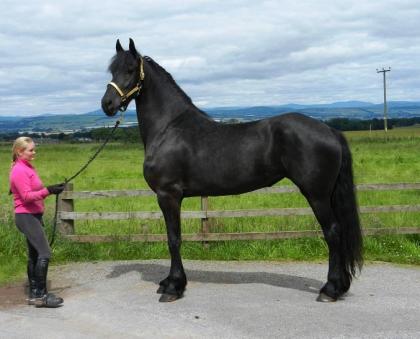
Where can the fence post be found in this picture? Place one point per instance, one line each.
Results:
(205, 223)
(65, 226)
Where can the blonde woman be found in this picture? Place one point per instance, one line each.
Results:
(28, 195)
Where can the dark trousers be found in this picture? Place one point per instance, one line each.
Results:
(31, 225)
(39, 253)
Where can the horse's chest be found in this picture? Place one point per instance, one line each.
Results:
(150, 171)
(160, 170)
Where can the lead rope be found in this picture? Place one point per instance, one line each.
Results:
(77, 174)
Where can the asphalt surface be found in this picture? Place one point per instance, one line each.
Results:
(222, 300)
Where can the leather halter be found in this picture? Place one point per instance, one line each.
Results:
(135, 90)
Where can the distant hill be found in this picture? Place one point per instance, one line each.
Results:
(348, 109)
(95, 119)
(54, 123)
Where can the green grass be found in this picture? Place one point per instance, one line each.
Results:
(377, 158)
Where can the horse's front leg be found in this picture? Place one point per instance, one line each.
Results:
(173, 286)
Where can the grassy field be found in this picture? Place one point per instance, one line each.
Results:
(377, 158)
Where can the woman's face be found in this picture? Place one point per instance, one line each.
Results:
(28, 153)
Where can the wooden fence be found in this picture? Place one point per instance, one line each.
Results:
(67, 216)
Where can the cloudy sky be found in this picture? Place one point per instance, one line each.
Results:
(54, 54)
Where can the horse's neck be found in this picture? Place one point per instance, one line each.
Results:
(161, 103)
(156, 111)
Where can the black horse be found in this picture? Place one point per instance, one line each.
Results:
(189, 154)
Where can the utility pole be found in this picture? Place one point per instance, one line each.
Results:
(384, 70)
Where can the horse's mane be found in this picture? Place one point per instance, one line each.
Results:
(117, 61)
(171, 80)
(121, 59)
(169, 77)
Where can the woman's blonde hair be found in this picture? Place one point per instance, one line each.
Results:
(19, 145)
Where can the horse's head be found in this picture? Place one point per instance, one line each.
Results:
(127, 76)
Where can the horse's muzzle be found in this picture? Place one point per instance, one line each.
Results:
(109, 106)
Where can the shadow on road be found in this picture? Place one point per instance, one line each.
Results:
(155, 273)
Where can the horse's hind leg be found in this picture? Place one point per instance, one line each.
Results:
(173, 286)
(338, 280)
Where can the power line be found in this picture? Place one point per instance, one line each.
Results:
(384, 70)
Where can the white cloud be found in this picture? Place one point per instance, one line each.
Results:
(54, 55)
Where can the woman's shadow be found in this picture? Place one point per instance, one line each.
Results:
(155, 273)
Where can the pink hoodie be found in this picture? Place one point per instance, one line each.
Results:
(27, 188)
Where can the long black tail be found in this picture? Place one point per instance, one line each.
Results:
(345, 209)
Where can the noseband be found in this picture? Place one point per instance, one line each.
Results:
(135, 90)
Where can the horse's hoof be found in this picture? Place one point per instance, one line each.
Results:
(322, 297)
(160, 290)
(167, 298)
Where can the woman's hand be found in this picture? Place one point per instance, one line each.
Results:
(56, 189)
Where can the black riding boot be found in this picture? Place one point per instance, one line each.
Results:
(32, 260)
(42, 297)
(31, 280)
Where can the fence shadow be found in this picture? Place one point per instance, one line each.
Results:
(155, 272)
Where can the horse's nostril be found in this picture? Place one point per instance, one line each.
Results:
(106, 102)
(106, 105)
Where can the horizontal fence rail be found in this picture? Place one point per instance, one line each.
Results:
(225, 214)
(234, 236)
(280, 189)
(67, 216)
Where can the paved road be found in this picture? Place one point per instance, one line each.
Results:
(223, 300)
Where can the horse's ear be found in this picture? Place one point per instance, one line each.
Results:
(132, 48)
(118, 46)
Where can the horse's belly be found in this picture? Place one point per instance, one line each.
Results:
(214, 183)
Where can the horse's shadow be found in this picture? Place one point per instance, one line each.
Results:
(155, 273)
